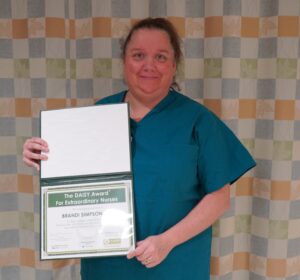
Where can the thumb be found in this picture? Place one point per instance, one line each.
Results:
(131, 254)
(138, 251)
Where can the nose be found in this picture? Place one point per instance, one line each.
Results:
(149, 64)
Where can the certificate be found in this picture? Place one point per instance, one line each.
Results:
(86, 141)
(86, 184)
(81, 220)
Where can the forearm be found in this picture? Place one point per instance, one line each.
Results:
(203, 215)
(154, 249)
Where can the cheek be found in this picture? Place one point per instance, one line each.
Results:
(168, 71)
(129, 71)
(167, 68)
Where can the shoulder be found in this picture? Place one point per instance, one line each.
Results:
(194, 109)
(115, 98)
(204, 121)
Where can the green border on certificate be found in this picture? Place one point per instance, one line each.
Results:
(87, 219)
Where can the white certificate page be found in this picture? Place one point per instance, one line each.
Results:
(86, 141)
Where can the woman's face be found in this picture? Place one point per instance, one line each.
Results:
(149, 64)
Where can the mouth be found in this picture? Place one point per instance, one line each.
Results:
(149, 77)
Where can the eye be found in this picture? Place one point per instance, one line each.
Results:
(138, 55)
(161, 57)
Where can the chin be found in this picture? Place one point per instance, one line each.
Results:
(149, 91)
(154, 95)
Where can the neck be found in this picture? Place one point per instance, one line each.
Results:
(140, 108)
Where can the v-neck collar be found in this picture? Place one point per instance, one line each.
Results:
(168, 99)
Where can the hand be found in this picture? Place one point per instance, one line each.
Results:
(151, 251)
(33, 150)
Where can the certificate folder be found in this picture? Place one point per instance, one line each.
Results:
(86, 183)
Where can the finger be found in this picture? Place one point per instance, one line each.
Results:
(152, 264)
(40, 141)
(38, 147)
(31, 163)
(131, 254)
(140, 249)
(36, 156)
(146, 260)
(36, 144)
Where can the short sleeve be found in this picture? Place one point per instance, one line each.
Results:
(222, 158)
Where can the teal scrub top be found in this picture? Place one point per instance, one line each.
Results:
(180, 152)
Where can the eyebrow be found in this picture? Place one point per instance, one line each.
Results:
(139, 49)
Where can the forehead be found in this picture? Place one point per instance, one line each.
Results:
(150, 38)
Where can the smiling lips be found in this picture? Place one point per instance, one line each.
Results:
(148, 77)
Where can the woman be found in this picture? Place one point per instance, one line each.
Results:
(184, 159)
